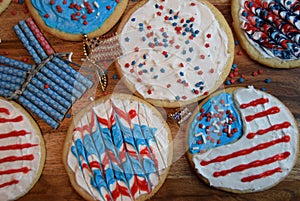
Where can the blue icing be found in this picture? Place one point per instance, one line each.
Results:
(63, 20)
(221, 106)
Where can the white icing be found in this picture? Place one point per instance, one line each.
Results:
(216, 55)
(233, 180)
(14, 191)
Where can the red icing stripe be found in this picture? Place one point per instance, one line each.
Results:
(254, 103)
(87, 127)
(272, 128)
(17, 158)
(273, 110)
(243, 152)
(262, 175)
(253, 164)
(24, 170)
(17, 146)
(14, 134)
(16, 119)
(9, 183)
(4, 110)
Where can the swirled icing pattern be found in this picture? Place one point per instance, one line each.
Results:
(75, 16)
(119, 150)
(273, 26)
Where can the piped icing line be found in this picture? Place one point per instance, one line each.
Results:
(126, 125)
(14, 133)
(117, 167)
(257, 163)
(272, 27)
(146, 158)
(121, 149)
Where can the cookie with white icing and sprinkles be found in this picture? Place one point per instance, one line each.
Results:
(118, 148)
(174, 52)
(242, 140)
(269, 30)
(69, 20)
(3, 5)
(22, 151)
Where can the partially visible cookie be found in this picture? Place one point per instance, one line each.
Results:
(3, 5)
(175, 52)
(69, 20)
(242, 140)
(118, 148)
(22, 151)
(269, 31)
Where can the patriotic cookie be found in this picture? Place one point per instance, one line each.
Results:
(242, 140)
(69, 20)
(175, 52)
(119, 148)
(4, 4)
(269, 30)
(22, 151)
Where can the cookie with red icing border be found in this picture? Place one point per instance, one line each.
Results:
(242, 140)
(269, 31)
(22, 151)
(69, 20)
(118, 148)
(174, 52)
(3, 5)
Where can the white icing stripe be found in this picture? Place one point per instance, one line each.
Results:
(164, 65)
(234, 180)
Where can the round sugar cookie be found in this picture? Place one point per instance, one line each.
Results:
(174, 52)
(242, 140)
(117, 148)
(3, 5)
(269, 31)
(69, 20)
(22, 151)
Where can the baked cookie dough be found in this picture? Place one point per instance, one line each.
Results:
(175, 52)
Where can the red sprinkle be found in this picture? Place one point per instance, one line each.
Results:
(85, 22)
(52, 2)
(260, 72)
(14, 12)
(240, 52)
(208, 35)
(46, 86)
(212, 70)
(254, 74)
(108, 7)
(46, 15)
(207, 45)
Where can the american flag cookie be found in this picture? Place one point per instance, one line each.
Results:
(22, 151)
(242, 140)
(3, 5)
(118, 148)
(269, 30)
(174, 52)
(70, 20)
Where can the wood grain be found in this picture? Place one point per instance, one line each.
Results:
(182, 183)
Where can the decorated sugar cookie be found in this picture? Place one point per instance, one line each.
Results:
(22, 151)
(3, 5)
(242, 140)
(269, 30)
(69, 20)
(119, 148)
(174, 52)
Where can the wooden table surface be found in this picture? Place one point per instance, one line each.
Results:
(181, 183)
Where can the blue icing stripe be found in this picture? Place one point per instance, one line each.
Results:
(77, 17)
(216, 124)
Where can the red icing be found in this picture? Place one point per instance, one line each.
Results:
(4, 110)
(24, 170)
(254, 103)
(253, 164)
(9, 183)
(272, 110)
(272, 128)
(17, 146)
(243, 152)
(16, 119)
(17, 158)
(14, 134)
(262, 175)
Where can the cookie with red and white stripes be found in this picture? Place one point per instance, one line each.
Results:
(3, 5)
(22, 151)
(242, 140)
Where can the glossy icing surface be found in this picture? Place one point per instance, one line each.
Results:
(273, 27)
(119, 150)
(263, 155)
(20, 152)
(173, 50)
(75, 16)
